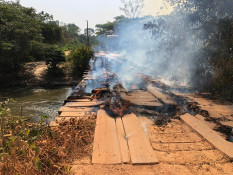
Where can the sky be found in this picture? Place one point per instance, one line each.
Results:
(95, 11)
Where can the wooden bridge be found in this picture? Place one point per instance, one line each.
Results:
(126, 140)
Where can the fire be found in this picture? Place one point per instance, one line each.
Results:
(97, 95)
(117, 109)
(134, 87)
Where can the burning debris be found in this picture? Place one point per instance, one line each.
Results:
(101, 94)
(141, 94)
(96, 96)
(103, 84)
(118, 107)
(125, 95)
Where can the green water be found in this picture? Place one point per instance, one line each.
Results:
(36, 101)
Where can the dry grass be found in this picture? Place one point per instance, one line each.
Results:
(49, 151)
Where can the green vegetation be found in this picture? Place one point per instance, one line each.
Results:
(109, 28)
(36, 148)
(208, 24)
(21, 38)
(54, 56)
(79, 60)
(107, 33)
(29, 36)
(212, 20)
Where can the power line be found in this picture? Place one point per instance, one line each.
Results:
(74, 11)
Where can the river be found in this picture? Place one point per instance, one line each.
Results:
(36, 101)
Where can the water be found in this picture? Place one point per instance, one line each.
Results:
(36, 101)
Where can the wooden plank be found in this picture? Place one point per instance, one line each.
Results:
(141, 151)
(142, 99)
(84, 104)
(104, 89)
(227, 123)
(106, 145)
(163, 97)
(89, 78)
(210, 135)
(138, 94)
(149, 96)
(75, 109)
(125, 156)
(129, 97)
(143, 103)
(77, 114)
(79, 100)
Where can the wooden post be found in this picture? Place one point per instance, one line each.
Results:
(88, 43)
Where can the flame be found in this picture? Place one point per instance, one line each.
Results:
(97, 95)
(134, 87)
(121, 110)
(117, 110)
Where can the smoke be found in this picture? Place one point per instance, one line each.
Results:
(167, 50)
(166, 46)
(97, 77)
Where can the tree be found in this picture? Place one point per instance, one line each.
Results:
(24, 36)
(119, 19)
(51, 32)
(105, 29)
(83, 40)
(202, 28)
(132, 8)
(70, 33)
(202, 10)
(19, 31)
(79, 59)
(110, 28)
(53, 57)
(73, 30)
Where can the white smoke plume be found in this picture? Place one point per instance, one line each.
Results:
(167, 48)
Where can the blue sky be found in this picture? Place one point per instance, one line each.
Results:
(78, 11)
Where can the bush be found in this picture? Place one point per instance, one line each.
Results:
(79, 60)
(71, 45)
(53, 58)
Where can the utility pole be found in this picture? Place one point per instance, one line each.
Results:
(88, 43)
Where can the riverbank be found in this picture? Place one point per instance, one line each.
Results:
(34, 75)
